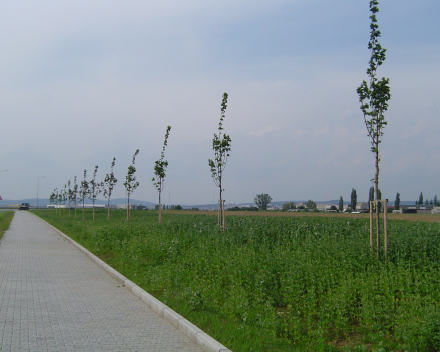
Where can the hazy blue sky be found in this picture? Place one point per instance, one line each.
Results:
(85, 81)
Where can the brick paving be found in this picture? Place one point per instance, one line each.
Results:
(53, 298)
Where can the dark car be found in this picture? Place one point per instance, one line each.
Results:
(24, 206)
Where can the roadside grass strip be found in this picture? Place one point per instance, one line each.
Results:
(5, 220)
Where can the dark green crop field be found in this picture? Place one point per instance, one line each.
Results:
(279, 283)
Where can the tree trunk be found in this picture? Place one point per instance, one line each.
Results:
(376, 194)
(220, 219)
(108, 209)
(128, 208)
(160, 209)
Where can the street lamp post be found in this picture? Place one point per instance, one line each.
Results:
(38, 186)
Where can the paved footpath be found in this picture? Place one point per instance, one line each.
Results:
(53, 298)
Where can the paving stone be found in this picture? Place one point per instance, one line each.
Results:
(54, 298)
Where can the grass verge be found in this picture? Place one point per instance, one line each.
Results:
(5, 220)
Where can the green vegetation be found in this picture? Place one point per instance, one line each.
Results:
(374, 97)
(279, 283)
(5, 220)
(262, 201)
(221, 144)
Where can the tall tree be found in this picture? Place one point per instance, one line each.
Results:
(289, 206)
(397, 202)
(108, 185)
(353, 199)
(262, 200)
(435, 200)
(221, 144)
(341, 204)
(130, 182)
(371, 196)
(374, 97)
(421, 198)
(94, 189)
(311, 204)
(159, 171)
(379, 196)
(84, 190)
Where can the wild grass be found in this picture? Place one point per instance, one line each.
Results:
(279, 283)
(5, 220)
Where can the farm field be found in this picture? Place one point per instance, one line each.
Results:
(279, 283)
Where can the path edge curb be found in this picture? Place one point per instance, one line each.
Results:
(198, 336)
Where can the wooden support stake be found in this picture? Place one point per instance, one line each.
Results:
(223, 215)
(219, 209)
(371, 224)
(385, 225)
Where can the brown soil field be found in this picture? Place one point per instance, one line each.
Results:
(411, 217)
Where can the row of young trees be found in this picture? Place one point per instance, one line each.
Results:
(74, 193)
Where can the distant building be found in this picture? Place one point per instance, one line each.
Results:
(419, 209)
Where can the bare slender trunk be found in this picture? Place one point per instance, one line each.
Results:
(160, 209)
(108, 209)
(221, 210)
(376, 194)
(128, 208)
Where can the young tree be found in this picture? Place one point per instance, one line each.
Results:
(421, 198)
(74, 193)
(435, 200)
(130, 182)
(69, 194)
(109, 183)
(84, 190)
(62, 197)
(397, 202)
(221, 144)
(374, 97)
(341, 204)
(52, 198)
(94, 189)
(262, 200)
(159, 171)
(353, 199)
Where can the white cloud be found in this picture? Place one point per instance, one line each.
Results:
(262, 132)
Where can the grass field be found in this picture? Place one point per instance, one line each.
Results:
(5, 220)
(280, 283)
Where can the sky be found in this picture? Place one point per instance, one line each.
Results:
(85, 81)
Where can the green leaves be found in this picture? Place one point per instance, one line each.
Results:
(221, 144)
(130, 180)
(161, 165)
(375, 94)
(109, 182)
